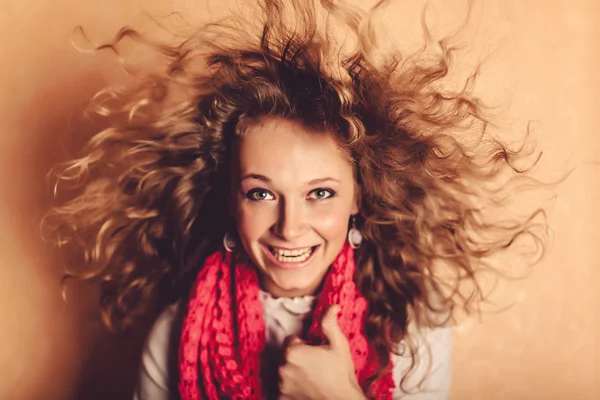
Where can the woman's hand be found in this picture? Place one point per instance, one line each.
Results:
(320, 372)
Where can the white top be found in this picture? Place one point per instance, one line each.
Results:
(284, 317)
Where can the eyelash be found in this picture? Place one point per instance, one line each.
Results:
(250, 195)
(331, 193)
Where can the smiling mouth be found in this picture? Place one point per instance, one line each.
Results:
(292, 256)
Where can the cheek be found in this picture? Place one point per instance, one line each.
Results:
(252, 222)
(333, 225)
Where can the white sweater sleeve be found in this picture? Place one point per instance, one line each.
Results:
(153, 382)
(431, 375)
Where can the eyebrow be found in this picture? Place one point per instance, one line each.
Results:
(322, 180)
(267, 180)
(255, 176)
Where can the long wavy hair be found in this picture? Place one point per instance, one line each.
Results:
(145, 202)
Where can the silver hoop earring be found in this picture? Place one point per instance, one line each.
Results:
(229, 242)
(355, 238)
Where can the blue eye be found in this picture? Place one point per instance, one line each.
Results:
(259, 195)
(321, 194)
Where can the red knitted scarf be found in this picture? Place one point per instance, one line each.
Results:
(224, 331)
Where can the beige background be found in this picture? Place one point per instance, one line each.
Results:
(544, 68)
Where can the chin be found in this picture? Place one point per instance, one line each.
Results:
(294, 286)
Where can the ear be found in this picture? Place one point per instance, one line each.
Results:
(231, 176)
(230, 205)
(357, 199)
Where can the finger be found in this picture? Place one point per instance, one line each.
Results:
(292, 348)
(292, 340)
(331, 329)
(286, 383)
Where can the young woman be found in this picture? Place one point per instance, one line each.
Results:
(294, 214)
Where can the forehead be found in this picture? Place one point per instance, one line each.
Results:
(287, 150)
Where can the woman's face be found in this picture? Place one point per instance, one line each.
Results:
(294, 193)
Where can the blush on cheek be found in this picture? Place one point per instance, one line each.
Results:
(332, 226)
(252, 223)
(247, 230)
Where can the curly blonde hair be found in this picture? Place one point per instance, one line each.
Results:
(148, 203)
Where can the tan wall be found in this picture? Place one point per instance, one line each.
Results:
(545, 69)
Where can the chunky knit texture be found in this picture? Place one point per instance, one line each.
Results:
(224, 331)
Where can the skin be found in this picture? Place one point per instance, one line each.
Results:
(320, 372)
(294, 188)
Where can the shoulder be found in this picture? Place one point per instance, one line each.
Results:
(422, 369)
(154, 382)
(158, 340)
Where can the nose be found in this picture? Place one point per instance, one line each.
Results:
(291, 223)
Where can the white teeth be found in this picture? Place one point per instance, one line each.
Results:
(292, 255)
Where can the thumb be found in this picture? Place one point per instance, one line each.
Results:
(331, 329)
(292, 340)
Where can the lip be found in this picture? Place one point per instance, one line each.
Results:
(289, 265)
(290, 248)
